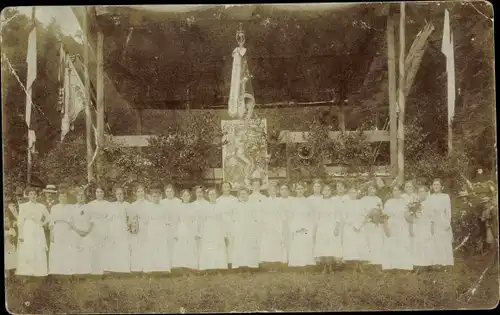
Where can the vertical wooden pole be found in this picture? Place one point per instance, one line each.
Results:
(139, 125)
(88, 116)
(341, 116)
(401, 101)
(393, 114)
(100, 100)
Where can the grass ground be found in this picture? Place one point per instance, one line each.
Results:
(343, 290)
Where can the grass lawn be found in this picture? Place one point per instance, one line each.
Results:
(285, 291)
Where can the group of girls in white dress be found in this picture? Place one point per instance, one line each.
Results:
(333, 225)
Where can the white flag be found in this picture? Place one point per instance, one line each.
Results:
(30, 78)
(448, 50)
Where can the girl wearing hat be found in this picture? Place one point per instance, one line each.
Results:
(32, 246)
(301, 230)
(443, 235)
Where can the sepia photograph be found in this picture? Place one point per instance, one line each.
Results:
(234, 158)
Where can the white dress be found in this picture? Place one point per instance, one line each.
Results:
(257, 196)
(138, 242)
(171, 206)
(339, 204)
(63, 240)
(118, 252)
(212, 246)
(397, 247)
(228, 204)
(32, 251)
(355, 245)
(185, 248)
(301, 231)
(157, 245)
(374, 233)
(443, 235)
(245, 235)
(82, 261)
(326, 243)
(99, 214)
(422, 243)
(272, 222)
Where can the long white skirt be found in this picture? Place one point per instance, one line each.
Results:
(100, 247)
(397, 247)
(245, 250)
(32, 252)
(443, 247)
(301, 250)
(355, 246)
(422, 244)
(157, 257)
(118, 251)
(138, 250)
(374, 235)
(185, 249)
(62, 250)
(212, 247)
(272, 245)
(82, 262)
(327, 244)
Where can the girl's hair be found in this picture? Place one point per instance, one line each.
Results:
(99, 186)
(243, 188)
(118, 187)
(437, 180)
(340, 182)
(370, 184)
(30, 189)
(327, 185)
(62, 191)
(209, 189)
(140, 185)
(255, 179)
(399, 188)
(79, 190)
(284, 184)
(422, 187)
(169, 186)
(230, 186)
(195, 188)
(155, 188)
(301, 183)
(317, 181)
(410, 181)
(185, 191)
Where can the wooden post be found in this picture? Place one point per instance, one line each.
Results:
(139, 125)
(100, 99)
(401, 101)
(88, 115)
(393, 115)
(341, 116)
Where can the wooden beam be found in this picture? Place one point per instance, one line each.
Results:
(294, 137)
(100, 98)
(88, 114)
(281, 173)
(401, 101)
(393, 115)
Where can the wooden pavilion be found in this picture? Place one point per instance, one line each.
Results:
(139, 82)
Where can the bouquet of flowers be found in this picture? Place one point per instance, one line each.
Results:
(415, 209)
(377, 215)
(134, 225)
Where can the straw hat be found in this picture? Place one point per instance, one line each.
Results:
(50, 189)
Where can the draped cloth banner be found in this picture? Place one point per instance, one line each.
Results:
(244, 151)
(73, 94)
(236, 77)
